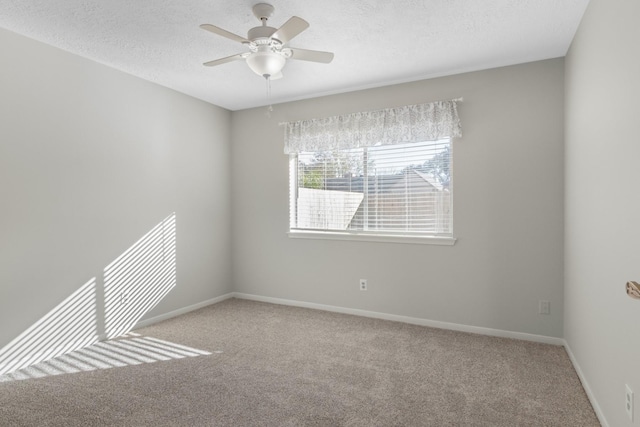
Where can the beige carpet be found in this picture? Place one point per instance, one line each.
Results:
(243, 363)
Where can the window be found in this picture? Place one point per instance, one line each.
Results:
(387, 189)
(383, 175)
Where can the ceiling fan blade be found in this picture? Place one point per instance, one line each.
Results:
(225, 60)
(224, 33)
(311, 55)
(290, 29)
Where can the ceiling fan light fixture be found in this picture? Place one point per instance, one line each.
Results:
(266, 63)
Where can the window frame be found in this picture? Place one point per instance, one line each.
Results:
(384, 236)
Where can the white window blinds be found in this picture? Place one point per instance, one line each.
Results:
(394, 189)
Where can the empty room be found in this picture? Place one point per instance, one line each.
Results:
(298, 213)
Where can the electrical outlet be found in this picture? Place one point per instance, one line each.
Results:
(629, 401)
(544, 307)
(363, 284)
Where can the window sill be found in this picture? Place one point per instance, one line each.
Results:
(384, 238)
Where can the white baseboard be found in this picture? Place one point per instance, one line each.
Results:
(180, 311)
(586, 387)
(406, 319)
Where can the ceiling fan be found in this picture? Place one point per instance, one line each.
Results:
(268, 50)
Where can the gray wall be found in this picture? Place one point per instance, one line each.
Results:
(602, 231)
(508, 209)
(91, 159)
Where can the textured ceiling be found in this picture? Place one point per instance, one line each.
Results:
(375, 42)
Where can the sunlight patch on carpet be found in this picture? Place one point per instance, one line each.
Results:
(131, 349)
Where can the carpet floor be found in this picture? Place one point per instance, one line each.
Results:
(246, 363)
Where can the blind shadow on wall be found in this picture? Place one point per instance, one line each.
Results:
(106, 306)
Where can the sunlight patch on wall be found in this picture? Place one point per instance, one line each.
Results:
(139, 278)
(132, 349)
(134, 283)
(72, 324)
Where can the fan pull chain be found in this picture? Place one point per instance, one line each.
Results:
(270, 107)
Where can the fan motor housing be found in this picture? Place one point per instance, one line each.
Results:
(260, 32)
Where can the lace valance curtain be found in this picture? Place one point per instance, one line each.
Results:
(411, 123)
